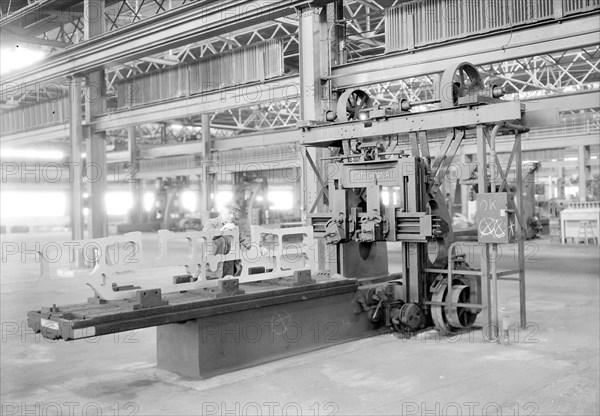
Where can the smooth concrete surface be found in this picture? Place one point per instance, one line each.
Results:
(550, 368)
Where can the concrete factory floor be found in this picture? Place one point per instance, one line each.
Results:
(550, 368)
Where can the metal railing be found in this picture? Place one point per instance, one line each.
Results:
(38, 115)
(254, 63)
(424, 22)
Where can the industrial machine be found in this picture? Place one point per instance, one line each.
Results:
(359, 225)
(377, 150)
(279, 307)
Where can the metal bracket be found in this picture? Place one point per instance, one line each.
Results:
(225, 288)
(414, 226)
(182, 278)
(300, 278)
(145, 299)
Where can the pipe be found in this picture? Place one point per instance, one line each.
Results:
(493, 268)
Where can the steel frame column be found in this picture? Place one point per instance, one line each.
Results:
(93, 18)
(584, 152)
(521, 241)
(340, 34)
(493, 305)
(96, 104)
(135, 214)
(206, 180)
(96, 175)
(312, 29)
(76, 137)
(482, 184)
(464, 189)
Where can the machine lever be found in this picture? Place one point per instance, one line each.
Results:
(375, 316)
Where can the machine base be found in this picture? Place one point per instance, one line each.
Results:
(219, 344)
(225, 327)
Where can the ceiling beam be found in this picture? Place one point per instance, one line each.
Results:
(172, 29)
(53, 19)
(279, 89)
(32, 40)
(160, 61)
(58, 132)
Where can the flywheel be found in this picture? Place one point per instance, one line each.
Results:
(457, 318)
(350, 104)
(458, 81)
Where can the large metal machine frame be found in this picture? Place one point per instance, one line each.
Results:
(377, 148)
(288, 306)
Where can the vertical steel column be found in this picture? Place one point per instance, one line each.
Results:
(206, 187)
(583, 157)
(464, 189)
(96, 175)
(312, 29)
(298, 190)
(482, 184)
(135, 215)
(313, 64)
(520, 242)
(560, 183)
(93, 18)
(96, 141)
(494, 262)
(340, 34)
(76, 137)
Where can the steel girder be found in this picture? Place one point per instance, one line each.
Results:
(563, 103)
(244, 95)
(171, 29)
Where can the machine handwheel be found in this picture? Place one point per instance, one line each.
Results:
(350, 103)
(457, 318)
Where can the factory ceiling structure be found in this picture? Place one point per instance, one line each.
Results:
(163, 83)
